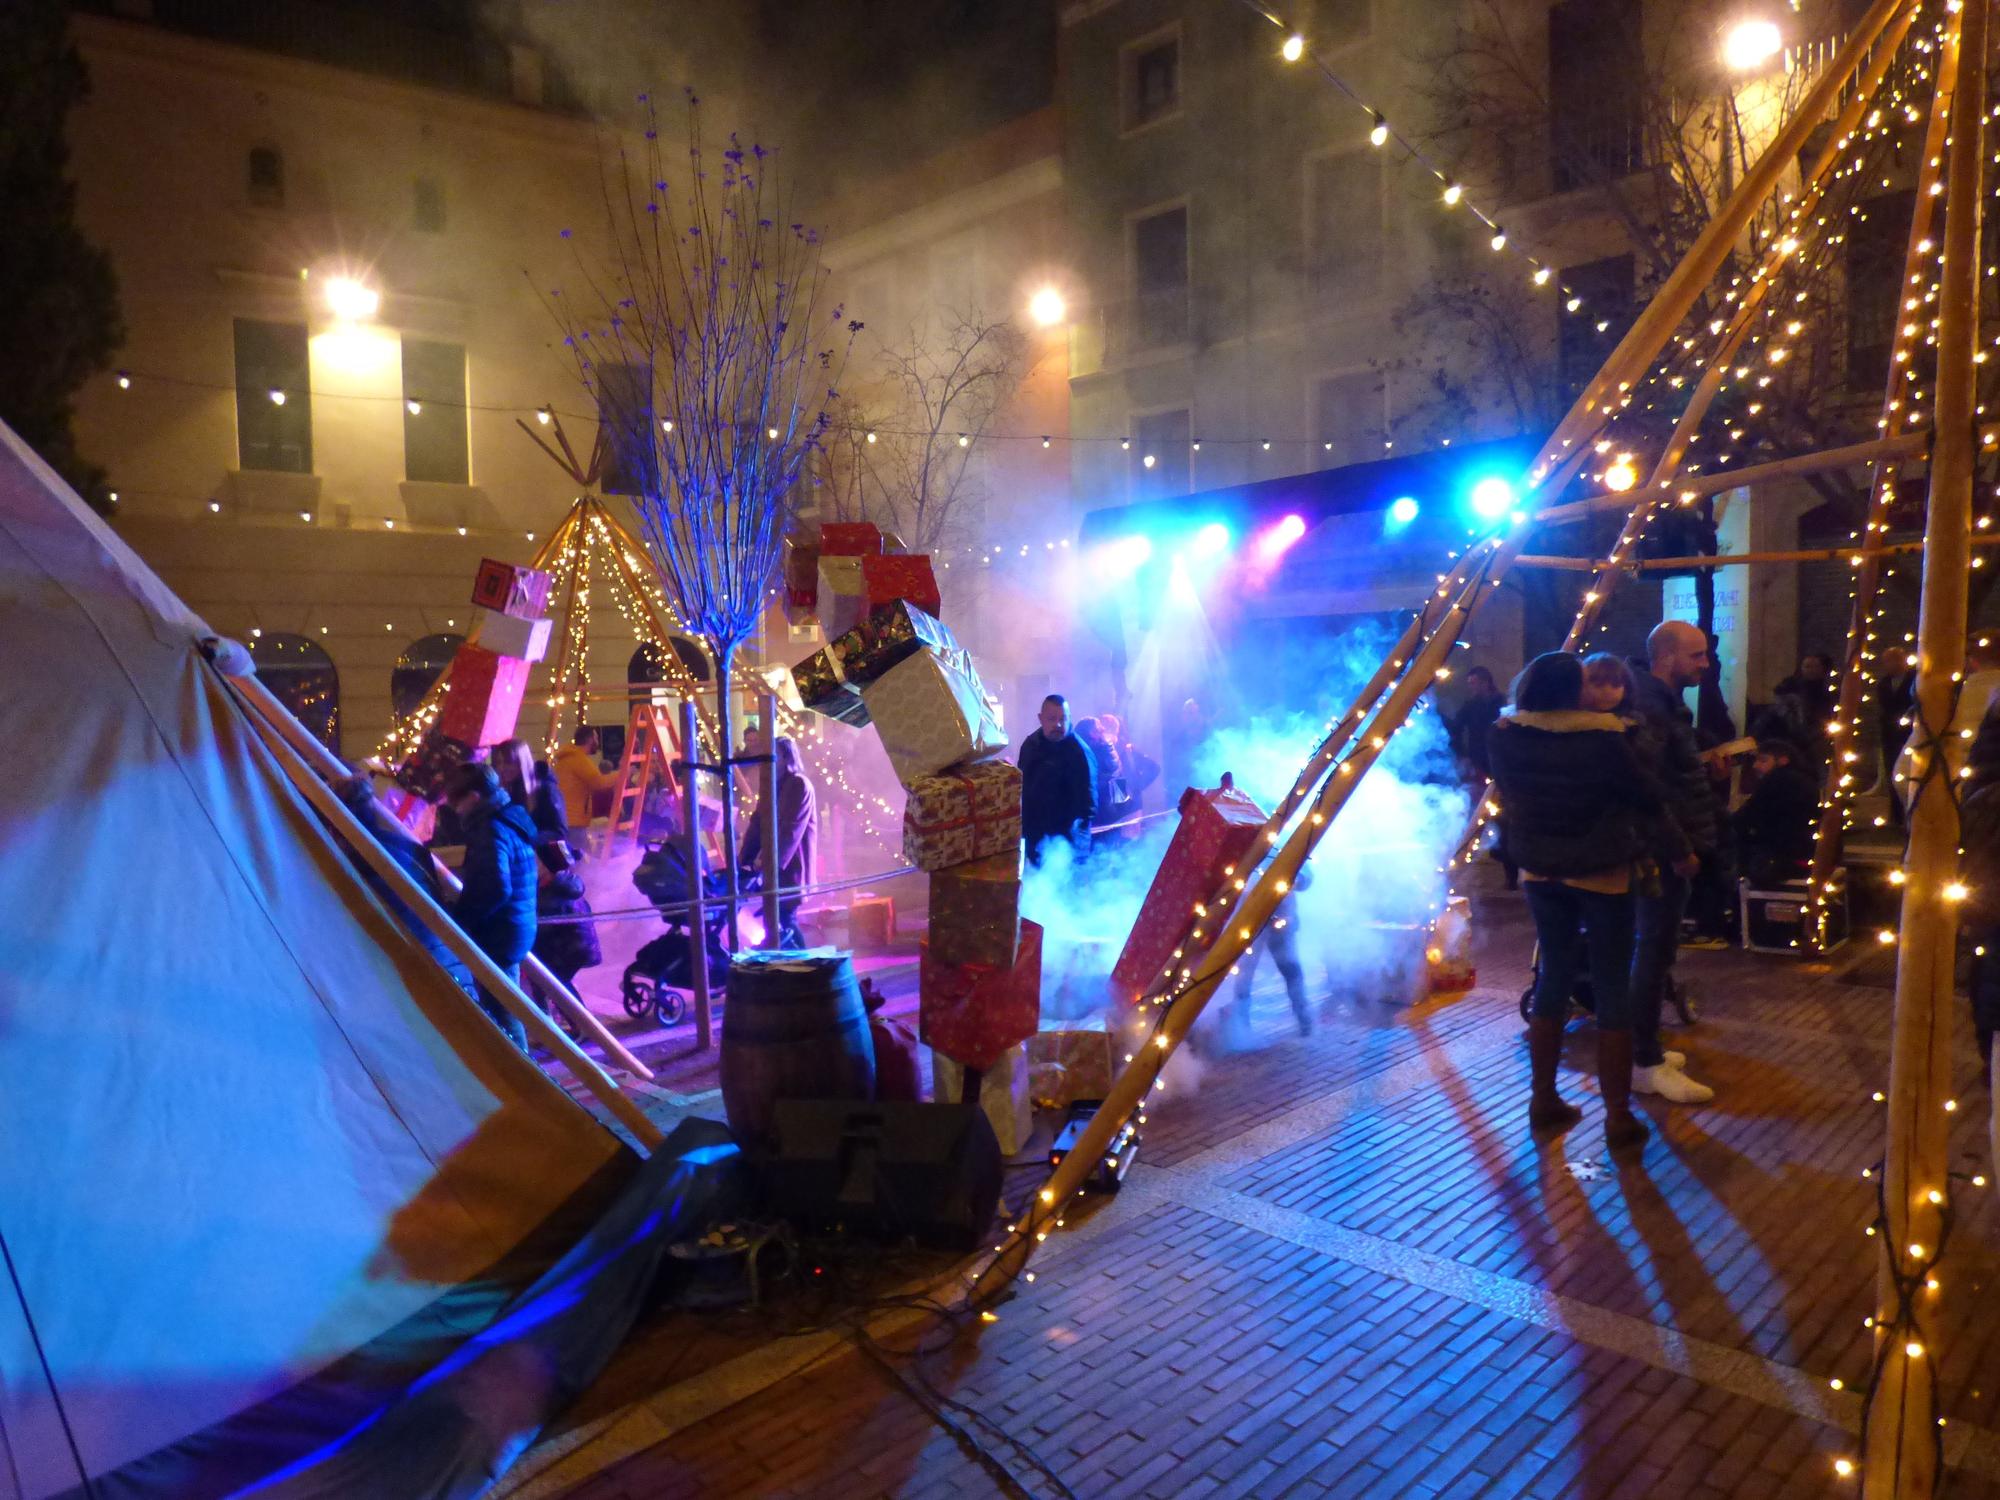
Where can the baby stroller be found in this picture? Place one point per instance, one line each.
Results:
(1583, 1003)
(657, 980)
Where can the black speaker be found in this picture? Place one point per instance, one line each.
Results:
(887, 1171)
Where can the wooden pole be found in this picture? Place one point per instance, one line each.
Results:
(697, 916)
(269, 715)
(1751, 559)
(1901, 1458)
(767, 782)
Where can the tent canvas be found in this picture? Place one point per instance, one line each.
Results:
(253, 1137)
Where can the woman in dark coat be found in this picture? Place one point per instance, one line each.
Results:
(496, 905)
(565, 946)
(1573, 806)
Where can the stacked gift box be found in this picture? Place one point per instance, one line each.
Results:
(890, 662)
(1216, 840)
(488, 676)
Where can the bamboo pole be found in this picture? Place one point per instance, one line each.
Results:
(329, 767)
(704, 1023)
(267, 714)
(1901, 1456)
(1896, 413)
(1853, 555)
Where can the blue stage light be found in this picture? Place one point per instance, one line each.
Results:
(1404, 510)
(1492, 498)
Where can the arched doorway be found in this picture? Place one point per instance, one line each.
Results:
(303, 678)
(418, 669)
(646, 667)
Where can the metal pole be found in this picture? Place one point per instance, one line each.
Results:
(1903, 1446)
(691, 844)
(767, 782)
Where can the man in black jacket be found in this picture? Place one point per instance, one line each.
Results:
(1676, 659)
(496, 906)
(1058, 784)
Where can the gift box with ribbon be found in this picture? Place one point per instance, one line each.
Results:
(849, 539)
(801, 597)
(964, 812)
(823, 687)
(888, 634)
(1071, 1061)
(1217, 835)
(975, 910)
(509, 589)
(932, 711)
(888, 578)
(972, 1013)
(842, 596)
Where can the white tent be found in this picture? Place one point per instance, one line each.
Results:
(259, 1158)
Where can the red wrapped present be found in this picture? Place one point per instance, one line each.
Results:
(975, 911)
(1217, 833)
(965, 812)
(972, 1013)
(849, 539)
(887, 579)
(511, 590)
(482, 696)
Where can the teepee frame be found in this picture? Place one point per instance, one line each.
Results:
(1901, 1454)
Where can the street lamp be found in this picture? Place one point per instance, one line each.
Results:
(351, 301)
(1047, 307)
(1749, 44)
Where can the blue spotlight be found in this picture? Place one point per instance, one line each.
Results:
(1492, 498)
(1404, 510)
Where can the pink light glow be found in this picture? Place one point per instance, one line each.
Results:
(1276, 541)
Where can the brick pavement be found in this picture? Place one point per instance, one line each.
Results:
(1342, 1267)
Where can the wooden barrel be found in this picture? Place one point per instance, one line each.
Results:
(793, 1027)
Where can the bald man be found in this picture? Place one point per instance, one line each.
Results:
(1676, 660)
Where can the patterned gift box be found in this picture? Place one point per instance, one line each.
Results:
(932, 712)
(887, 579)
(975, 912)
(482, 698)
(890, 633)
(849, 539)
(963, 813)
(424, 772)
(823, 687)
(1003, 1094)
(973, 1013)
(1217, 832)
(510, 635)
(1082, 1051)
(510, 590)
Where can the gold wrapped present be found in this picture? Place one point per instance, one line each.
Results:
(823, 687)
(975, 913)
(1082, 1050)
(962, 813)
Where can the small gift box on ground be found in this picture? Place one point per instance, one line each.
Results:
(510, 635)
(849, 539)
(511, 590)
(823, 687)
(871, 921)
(1003, 1095)
(964, 812)
(1218, 832)
(975, 912)
(1070, 1062)
(482, 698)
(932, 712)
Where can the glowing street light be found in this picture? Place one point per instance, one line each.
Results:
(1750, 44)
(351, 301)
(1047, 307)
(1294, 48)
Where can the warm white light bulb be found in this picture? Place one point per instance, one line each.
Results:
(1047, 307)
(1294, 48)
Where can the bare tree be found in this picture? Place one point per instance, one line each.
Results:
(907, 453)
(701, 328)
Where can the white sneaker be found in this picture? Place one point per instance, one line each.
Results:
(1671, 1084)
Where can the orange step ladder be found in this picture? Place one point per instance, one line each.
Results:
(650, 736)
